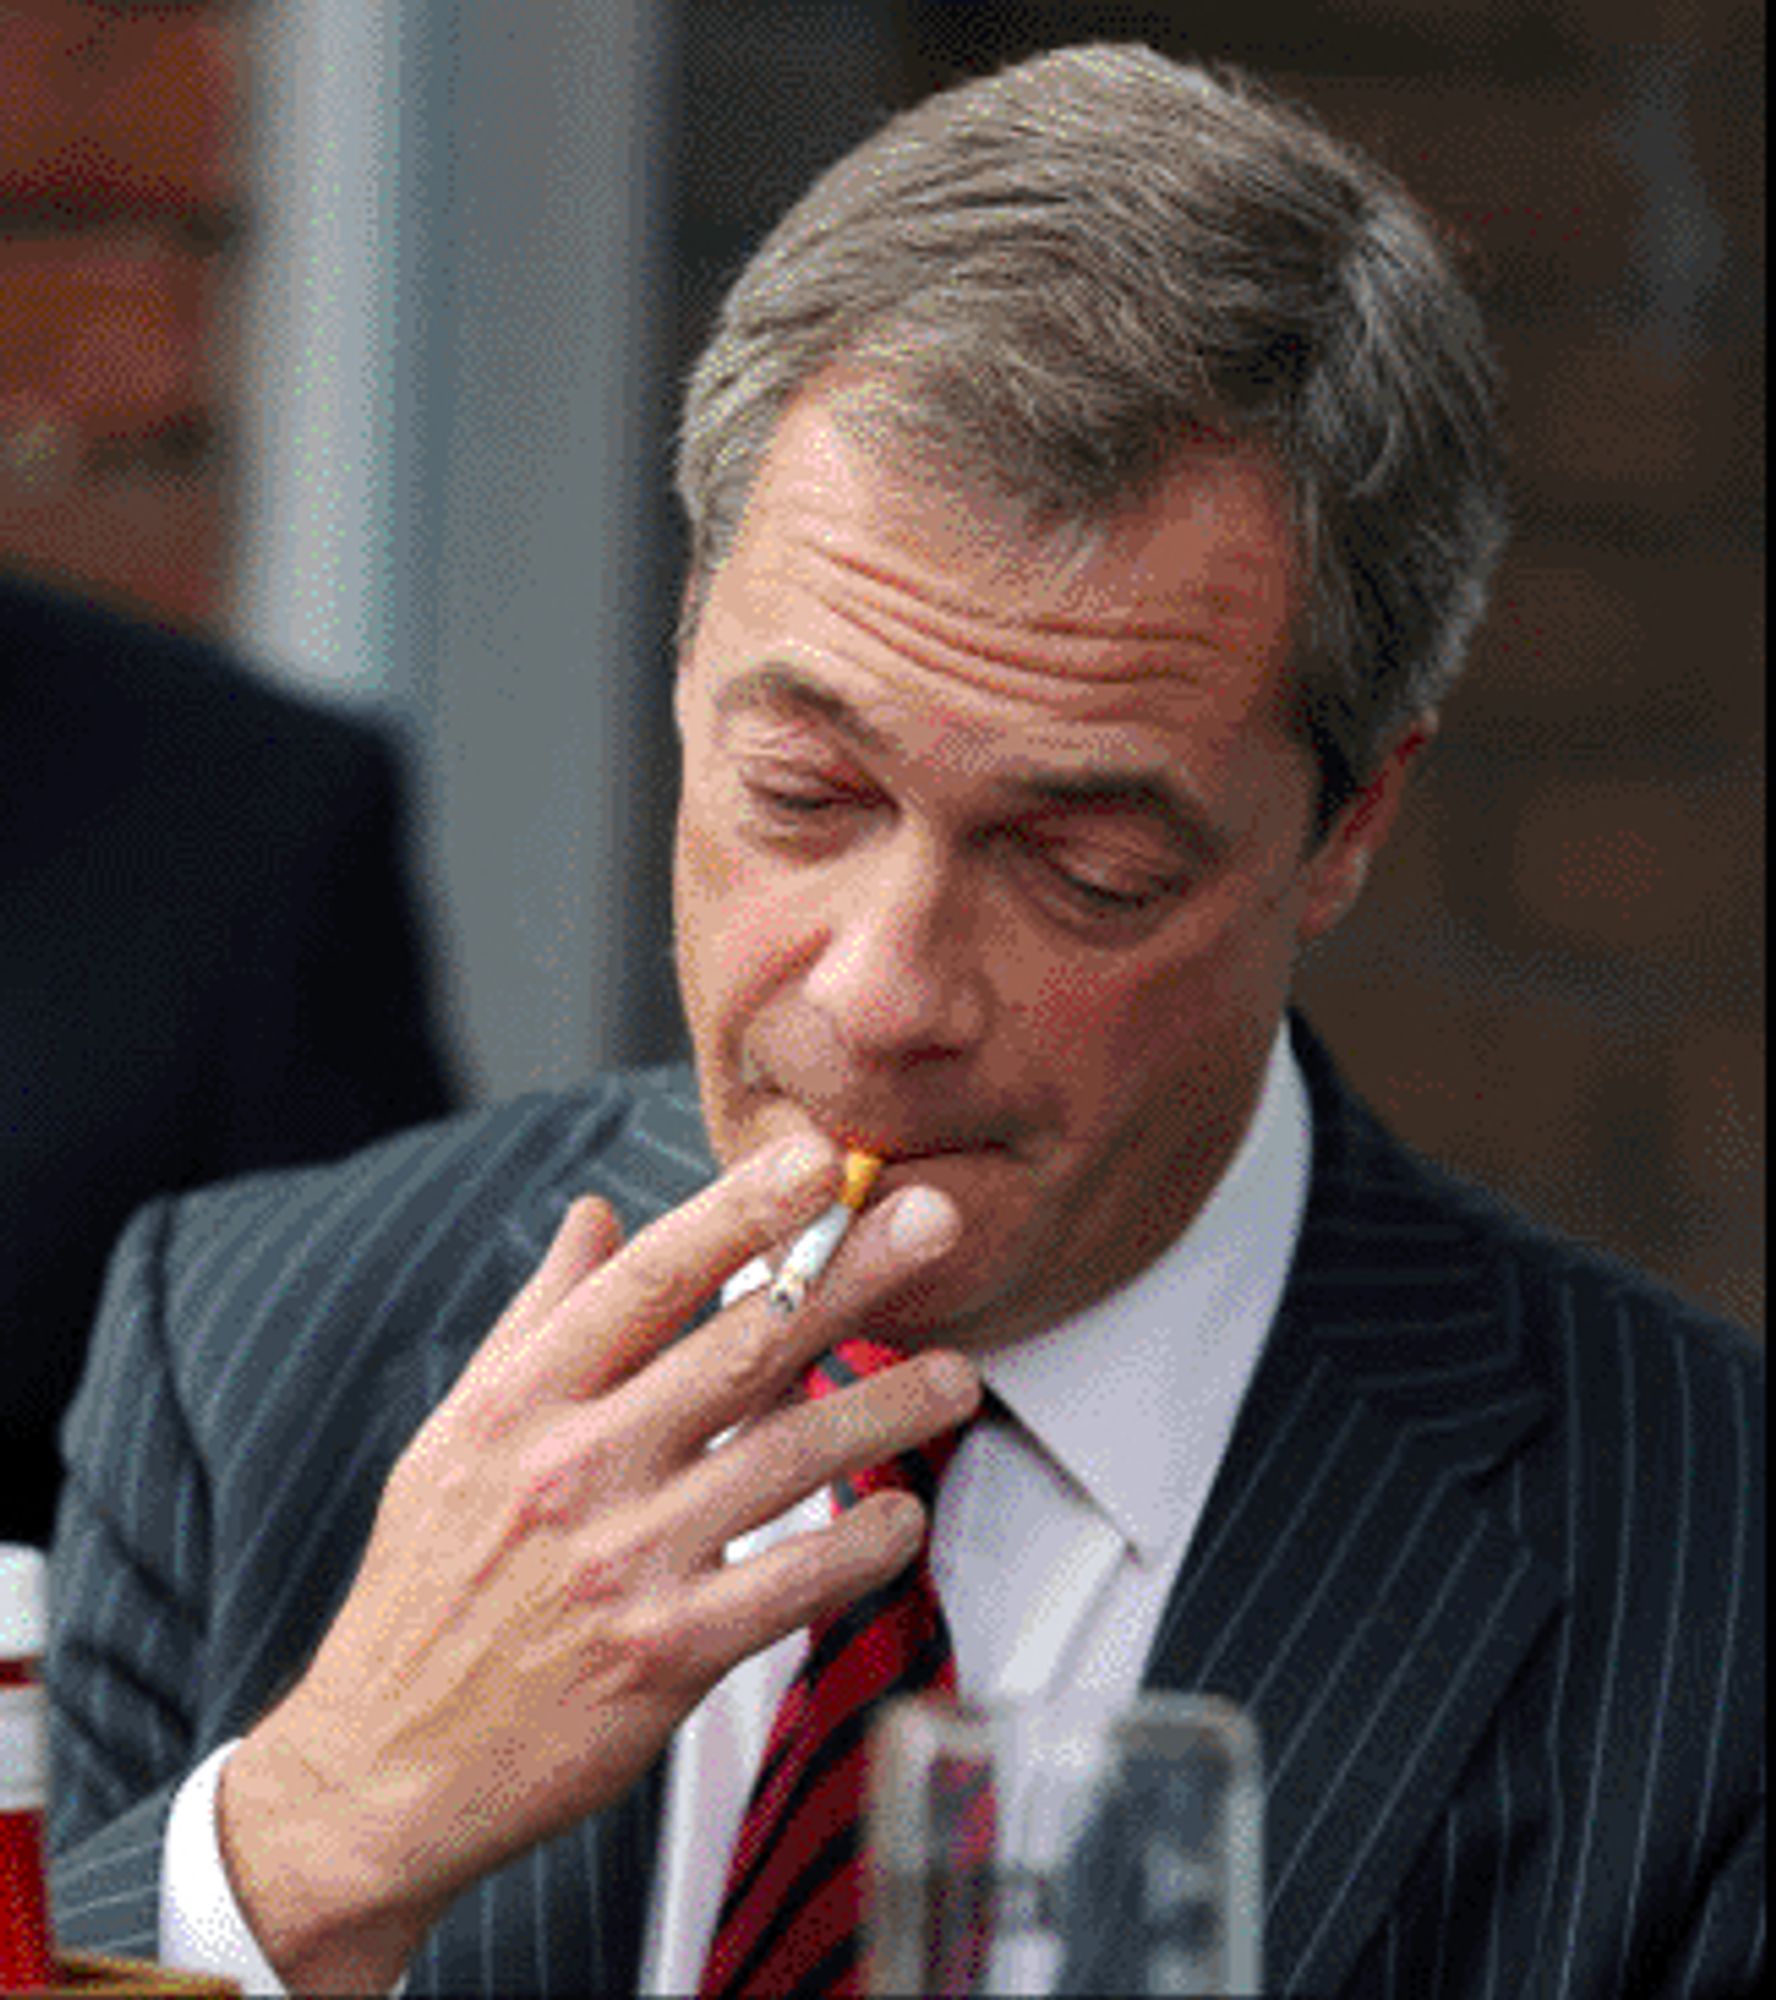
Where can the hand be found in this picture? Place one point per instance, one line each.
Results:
(544, 1595)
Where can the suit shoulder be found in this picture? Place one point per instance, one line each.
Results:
(493, 1156)
(278, 1295)
(137, 677)
(1385, 1221)
(1581, 1287)
(1635, 1374)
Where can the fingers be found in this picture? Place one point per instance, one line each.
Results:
(607, 1323)
(730, 1613)
(742, 1361)
(588, 1234)
(770, 1466)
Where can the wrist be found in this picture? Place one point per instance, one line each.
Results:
(330, 1911)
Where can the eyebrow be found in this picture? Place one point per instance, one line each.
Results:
(776, 686)
(1151, 792)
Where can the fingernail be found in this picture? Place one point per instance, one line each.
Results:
(904, 1518)
(924, 1223)
(954, 1378)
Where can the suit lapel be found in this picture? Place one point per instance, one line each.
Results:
(1347, 1585)
(645, 1161)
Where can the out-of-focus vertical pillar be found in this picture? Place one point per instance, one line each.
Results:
(324, 300)
(457, 471)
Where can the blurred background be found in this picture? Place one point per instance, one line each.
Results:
(352, 333)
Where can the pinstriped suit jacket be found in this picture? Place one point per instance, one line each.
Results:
(1485, 1558)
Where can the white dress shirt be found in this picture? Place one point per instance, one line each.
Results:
(1059, 1529)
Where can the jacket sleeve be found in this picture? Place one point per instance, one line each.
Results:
(126, 1656)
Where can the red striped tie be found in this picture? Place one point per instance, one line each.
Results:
(791, 1918)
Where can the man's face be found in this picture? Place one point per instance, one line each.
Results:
(994, 854)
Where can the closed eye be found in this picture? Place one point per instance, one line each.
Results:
(1112, 895)
(799, 801)
(801, 815)
(1102, 896)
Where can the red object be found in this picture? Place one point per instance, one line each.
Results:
(792, 1913)
(26, 1959)
(27, 1955)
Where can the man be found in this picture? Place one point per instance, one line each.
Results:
(1092, 488)
(201, 881)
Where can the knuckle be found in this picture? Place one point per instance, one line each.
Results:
(761, 1208)
(559, 1472)
(651, 1646)
(608, 1573)
(644, 1651)
(800, 1454)
(478, 1416)
(656, 1280)
(745, 1361)
(549, 1492)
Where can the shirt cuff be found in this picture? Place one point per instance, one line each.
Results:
(201, 1926)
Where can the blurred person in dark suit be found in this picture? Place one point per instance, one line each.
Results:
(211, 962)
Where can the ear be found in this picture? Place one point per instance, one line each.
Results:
(1340, 867)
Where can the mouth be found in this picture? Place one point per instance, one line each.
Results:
(895, 1139)
(902, 1149)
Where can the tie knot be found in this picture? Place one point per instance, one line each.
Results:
(917, 1471)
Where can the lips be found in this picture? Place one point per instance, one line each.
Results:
(898, 1146)
(895, 1139)
(893, 1135)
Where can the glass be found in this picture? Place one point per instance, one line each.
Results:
(1065, 1846)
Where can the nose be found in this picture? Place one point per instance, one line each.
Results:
(900, 971)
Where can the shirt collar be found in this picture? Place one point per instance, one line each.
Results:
(1136, 1396)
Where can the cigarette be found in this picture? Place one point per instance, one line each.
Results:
(814, 1249)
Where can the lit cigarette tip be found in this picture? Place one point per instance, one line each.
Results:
(788, 1292)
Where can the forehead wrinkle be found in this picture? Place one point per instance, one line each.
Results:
(1145, 654)
(1217, 601)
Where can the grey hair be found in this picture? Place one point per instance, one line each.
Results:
(1052, 276)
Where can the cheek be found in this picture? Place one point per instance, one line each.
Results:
(1124, 1040)
(1080, 1001)
(1100, 1034)
(736, 926)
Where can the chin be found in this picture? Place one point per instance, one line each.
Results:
(956, 1304)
